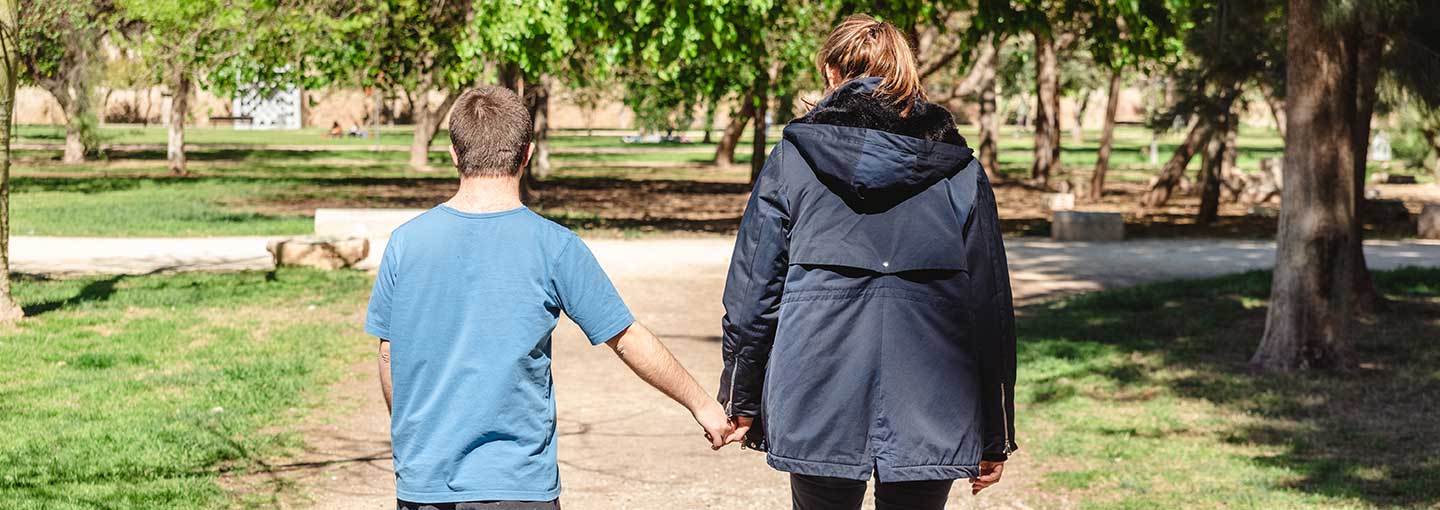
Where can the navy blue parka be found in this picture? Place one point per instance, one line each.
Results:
(868, 320)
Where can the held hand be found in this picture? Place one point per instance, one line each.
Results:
(711, 417)
(742, 426)
(989, 475)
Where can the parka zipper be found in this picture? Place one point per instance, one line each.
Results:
(1005, 416)
(730, 402)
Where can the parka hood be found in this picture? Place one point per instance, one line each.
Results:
(870, 155)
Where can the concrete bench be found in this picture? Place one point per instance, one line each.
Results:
(1087, 226)
(367, 223)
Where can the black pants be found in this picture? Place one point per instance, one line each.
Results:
(480, 505)
(824, 493)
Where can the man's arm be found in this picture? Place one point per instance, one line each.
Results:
(650, 360)
(385, 386)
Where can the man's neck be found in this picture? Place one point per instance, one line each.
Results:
(486, 194)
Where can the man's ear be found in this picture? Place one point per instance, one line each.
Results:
(529, 151)
(454, 159)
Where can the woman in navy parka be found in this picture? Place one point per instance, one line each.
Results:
(869, 326)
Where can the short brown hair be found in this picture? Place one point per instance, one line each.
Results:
(862, 46)
(490, 132)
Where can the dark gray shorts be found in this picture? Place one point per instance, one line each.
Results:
(480, 505)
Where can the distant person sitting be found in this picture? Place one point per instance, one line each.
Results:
(335, 131)
(464, 303)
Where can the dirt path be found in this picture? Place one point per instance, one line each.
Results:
(622, 445)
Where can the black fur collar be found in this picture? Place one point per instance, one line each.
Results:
(855, 105)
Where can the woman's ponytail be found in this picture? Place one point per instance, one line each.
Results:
(862, 46)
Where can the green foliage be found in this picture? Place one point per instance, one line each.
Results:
(539, 37)
(205, 41)
(59, 51)
(53, 35)
(1227, 46)
(699, 53)
(412, 45)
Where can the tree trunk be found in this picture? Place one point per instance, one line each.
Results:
(539, 101)
(1211, 171)
(1047, 111)
(1367, 77)
(1277, 109)
(9, 18)
(1308, 323)
(759, 127)
(427, 123)
(709, 122)
(510, 77)
(1164, 183)
(1432, 136)
(79, 124)
(79, 116)
(784, 108)
(1107, 138)
(1077, 131)
(989, 120)
(725, 151)
(1229, 168)
(179, 107)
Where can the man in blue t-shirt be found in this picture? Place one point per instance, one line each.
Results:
(464, 304)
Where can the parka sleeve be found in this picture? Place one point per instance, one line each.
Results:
(994, 324)
(752, 291)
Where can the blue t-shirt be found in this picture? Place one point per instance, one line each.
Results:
(468, 302)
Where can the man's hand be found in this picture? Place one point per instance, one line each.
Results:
(711, 417)
(742, 426)
(989, 475)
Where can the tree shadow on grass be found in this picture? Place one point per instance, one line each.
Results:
(1368, 434)
(96, 291)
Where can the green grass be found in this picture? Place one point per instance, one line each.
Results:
(1141, 398)
(139, 206)
(244, 191)
(140, 392)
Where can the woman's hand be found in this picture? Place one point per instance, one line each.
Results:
(742, 426)
(989, 475)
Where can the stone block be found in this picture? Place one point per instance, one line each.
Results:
(321, 253)
(367, 223)
(1430, 222)
(1059, 201)
(1087, 226)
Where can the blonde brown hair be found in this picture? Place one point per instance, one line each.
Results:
(862, 46)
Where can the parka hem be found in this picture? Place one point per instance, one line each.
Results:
(864, 471)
